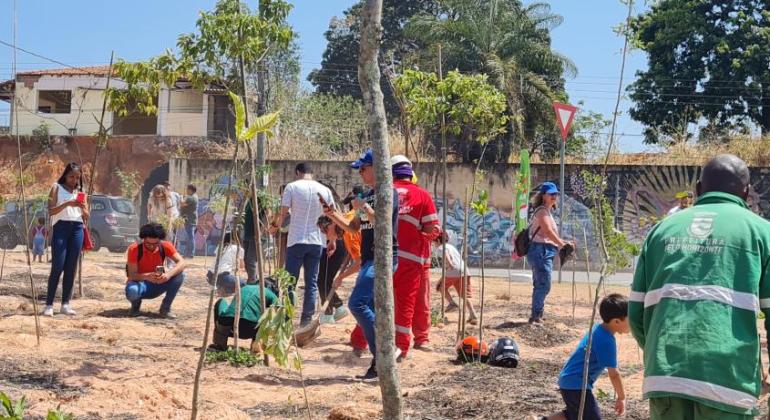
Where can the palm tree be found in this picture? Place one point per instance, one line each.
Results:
(512, 44)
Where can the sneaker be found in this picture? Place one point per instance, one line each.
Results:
(451, 307)
(371, 373)
(48, 311)
(327, 319)
(340, 313)
(167, 314)
(423, 347)
(66, 310)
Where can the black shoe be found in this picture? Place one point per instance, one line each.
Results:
(134, 311)
(370, 374)
(167, 314)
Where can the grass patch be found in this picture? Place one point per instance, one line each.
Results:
(241, 358)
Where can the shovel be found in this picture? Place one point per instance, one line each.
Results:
(309, 332)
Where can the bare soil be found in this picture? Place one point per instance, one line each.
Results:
(103, 364)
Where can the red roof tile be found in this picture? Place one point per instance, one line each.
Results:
(78, 71)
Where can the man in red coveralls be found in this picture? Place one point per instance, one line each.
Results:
(417, 227)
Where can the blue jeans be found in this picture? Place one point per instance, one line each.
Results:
(308, 257)
(361, 302)
(136, 291)
(189, 246)
(66, 244)
(540, 258)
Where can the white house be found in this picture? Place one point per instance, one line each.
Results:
(69, 101)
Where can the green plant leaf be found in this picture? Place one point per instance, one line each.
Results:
(240, 114)
(262, 124)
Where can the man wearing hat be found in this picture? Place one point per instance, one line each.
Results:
(685, 200)
(417, 227)
(361, 300)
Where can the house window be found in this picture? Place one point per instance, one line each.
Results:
(54, 101)
(185, 102)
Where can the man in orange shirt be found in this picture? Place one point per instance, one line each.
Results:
(148, 276)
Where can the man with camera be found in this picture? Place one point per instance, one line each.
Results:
(148, 277)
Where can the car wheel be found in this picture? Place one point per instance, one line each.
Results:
(96, 241)
(8, 238)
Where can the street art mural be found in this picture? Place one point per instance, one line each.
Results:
(640, 196)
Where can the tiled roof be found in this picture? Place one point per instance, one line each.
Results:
(77, 71)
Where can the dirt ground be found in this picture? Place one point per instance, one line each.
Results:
(103, 364)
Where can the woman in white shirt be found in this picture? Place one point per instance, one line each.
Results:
(232, 257)
(68, 216)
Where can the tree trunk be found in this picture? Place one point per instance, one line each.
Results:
(369, 79)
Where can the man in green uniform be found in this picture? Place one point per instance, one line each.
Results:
(224, 316)
(702, 278)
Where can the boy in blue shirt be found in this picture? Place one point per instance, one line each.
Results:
(614, 312)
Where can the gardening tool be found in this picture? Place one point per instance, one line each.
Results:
(309, 332)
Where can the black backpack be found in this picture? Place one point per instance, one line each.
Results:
(523, 238)
(140, 251)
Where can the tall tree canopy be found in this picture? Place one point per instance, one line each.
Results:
(512, 44)
(338, 73)
(709, 65)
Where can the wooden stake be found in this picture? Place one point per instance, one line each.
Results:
(207, 329)
(15, 114)
(466, 285)
(443, 189)
(461, 320)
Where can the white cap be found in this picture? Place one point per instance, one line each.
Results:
(399, 159)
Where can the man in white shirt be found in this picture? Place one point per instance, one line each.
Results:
(305, 240)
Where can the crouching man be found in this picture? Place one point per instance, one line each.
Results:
(148, 277)
(224, 316)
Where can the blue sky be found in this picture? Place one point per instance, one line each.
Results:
(82, 32)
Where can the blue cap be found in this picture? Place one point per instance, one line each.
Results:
(549, 188)
(366, 158)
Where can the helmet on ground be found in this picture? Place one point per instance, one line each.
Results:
(470, 349)
(504, 352)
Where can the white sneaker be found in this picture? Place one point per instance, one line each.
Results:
(66, 310)
(48, 311)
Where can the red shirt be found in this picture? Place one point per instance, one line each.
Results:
(415, 211)
(150, 260)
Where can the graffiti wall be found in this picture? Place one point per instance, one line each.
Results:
(639, 195)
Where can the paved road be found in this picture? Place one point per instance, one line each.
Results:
(525, 276)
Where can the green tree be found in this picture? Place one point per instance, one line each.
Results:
(512, 44)
(708, 64)
(474, 109)
(338, 73)
(209, 56)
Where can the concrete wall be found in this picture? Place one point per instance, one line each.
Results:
(182, 113)
(86, 96)
(640, 195)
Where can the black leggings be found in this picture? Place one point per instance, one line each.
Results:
(327, 272)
